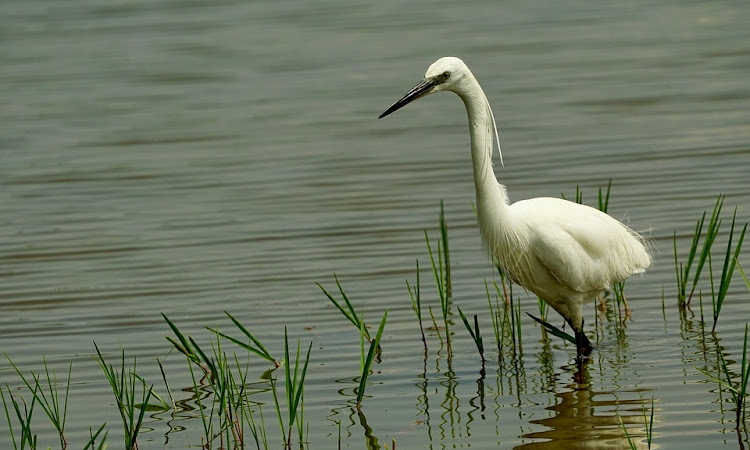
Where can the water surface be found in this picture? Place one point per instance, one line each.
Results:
(191, 158)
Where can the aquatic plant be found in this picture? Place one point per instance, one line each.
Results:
(349, 311)
(294, 389)
(124, 388)
(47, 397)
(497, 324)
(366, 360)
(441, 286)
(445, 251)
(475, 334)
(648, 422)
(553, 329)
(511, 313)
(416, 305)
(224, 419)
(730, 261)
(603, 200)
(259, 349)
(682, 269)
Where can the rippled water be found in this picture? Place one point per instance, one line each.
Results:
(191, 158)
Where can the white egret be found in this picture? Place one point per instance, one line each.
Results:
(564, 252)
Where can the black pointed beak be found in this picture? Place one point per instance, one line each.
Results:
(423, 88)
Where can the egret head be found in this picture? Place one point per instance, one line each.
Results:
(451, 74)
(445, 74)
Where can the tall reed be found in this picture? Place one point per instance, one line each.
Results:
(416, 305)
(124, 388)
(23, 414)
(730, 261)
(474, 332)
(294, 388)
(512, 312)
(47, 397)
(445, 250)
(683, 269)
(440, 284)
(366, 360)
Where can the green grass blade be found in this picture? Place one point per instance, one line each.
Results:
(247, 333)
(712, 231)
(554, 330)
(260, 352)
(368, 361)
(493, 316)
(744, 275)
(445, 250)
(728, 268)
(349, 312)
(287, 375)
(480, 343)
(300, 384)
(92, 440)
(183, 341)
(209, 363)
(627, 435)
(466, 323)
(604, 202)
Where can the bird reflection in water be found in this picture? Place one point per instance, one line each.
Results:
(586, 419)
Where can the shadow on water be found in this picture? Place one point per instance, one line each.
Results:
(587, 418)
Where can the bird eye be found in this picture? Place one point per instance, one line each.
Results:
(444, 76)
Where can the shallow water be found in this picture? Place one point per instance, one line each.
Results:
(192, 158)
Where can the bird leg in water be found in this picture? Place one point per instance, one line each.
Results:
(583, 345)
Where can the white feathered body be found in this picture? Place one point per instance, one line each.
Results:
(564, 252)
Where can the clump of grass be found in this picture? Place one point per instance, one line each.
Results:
(294, 390)
(604, 199)
(47, 397)
(124, 388)
(346, 309)
(683, 269)
(512, 314)
(416, 305)
(441, 285)
(730, 260)
(497, 326)
(224, 419)
(578, 197)
(23, 413)
(366, 360)
(476, 335)
(509, 323)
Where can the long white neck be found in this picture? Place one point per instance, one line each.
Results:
(491, 196)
